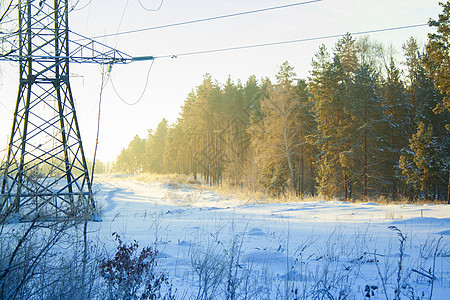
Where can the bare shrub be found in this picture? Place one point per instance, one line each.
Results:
(45, 260)
(210, 268)
(133, 275)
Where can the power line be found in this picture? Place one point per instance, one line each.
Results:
(121, 19)
(206, 19)
(143, 91)
(151, 9)
(6, 11)
(81, 8)
(325, 37)
(6, 107)
(105, 75)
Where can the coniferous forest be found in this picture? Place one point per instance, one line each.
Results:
(365, 123)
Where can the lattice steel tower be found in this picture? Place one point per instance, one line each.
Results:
(45, 171)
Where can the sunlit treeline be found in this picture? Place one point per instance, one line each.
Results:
(362, 124)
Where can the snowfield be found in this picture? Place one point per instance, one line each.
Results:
(214, 247)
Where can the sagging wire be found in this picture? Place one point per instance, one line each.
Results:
(207, 19)
(6, 30)
(302, 40)
(106, 74)
(143, 92)
(5, 107)
(81, 8)
(6, 11)
(151, 9)
(8, 21)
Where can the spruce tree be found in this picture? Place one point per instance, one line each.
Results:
(394, 128)
(438, 50)
(328, 91)
(438, 64)
(417, 165)
(365, 111)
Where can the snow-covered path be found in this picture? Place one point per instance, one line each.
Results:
(279, 250)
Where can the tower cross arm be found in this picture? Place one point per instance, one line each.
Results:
(81, 50)
(86, 50)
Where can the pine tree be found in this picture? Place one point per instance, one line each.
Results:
(428, 97)
(395, 127)
(233, 133)
(366, 115)
(131, 159)
(254, 94)
(411, 52)
(438, 64)
(307, 150)
(203, 120)
(328, 91)
(155, 147)
(438, 50)
(346, 52)
(417, 166)
(183, 138)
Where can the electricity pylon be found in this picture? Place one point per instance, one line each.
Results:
(46, 173)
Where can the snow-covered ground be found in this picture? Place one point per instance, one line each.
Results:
(213, 246)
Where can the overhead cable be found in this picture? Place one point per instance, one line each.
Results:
(325, 37)
(81, 8)
(143, 91)
(6, 11)
(105, 75)
(121, 19)
(206, 19)
(151, 9)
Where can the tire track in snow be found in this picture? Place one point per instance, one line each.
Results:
(111, 204)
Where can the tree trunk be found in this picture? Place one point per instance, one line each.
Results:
(448, 188)
(394, 190)
(291, 168)
(345, 187)
(288, 150)
(302, 176)
(365, 164)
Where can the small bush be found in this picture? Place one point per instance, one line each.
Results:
(130, 275)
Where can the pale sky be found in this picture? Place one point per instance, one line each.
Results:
(171, 79)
